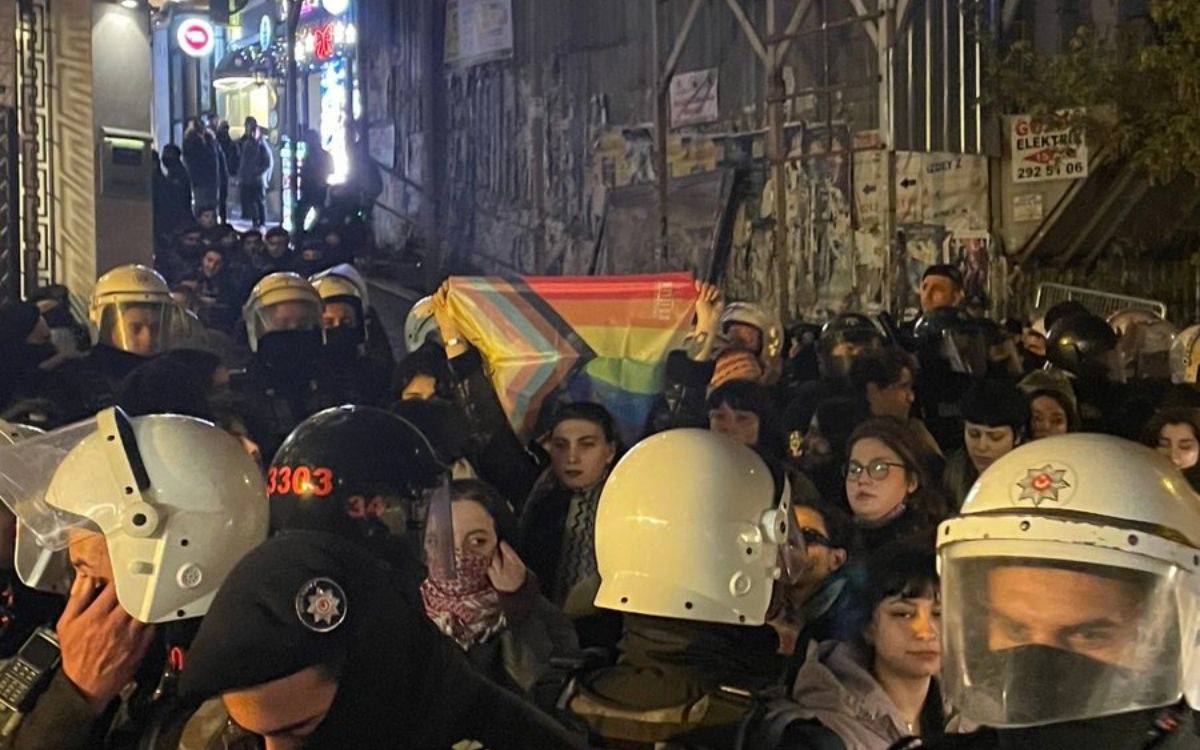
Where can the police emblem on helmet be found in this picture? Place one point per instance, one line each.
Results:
(321, 605)
(1043, 485)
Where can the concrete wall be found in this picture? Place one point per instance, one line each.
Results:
(124, 98)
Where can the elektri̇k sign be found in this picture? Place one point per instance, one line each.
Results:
(1050, 148)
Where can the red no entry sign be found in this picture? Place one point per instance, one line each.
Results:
(195, 37)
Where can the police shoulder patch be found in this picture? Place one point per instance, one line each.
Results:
(321, 605)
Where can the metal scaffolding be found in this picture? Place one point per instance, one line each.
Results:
(936, 94)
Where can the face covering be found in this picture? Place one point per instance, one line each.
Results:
(343, 342)
(1036, 686)
(466, 607)
(291, 351)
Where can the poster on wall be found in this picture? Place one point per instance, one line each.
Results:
(478, 31)
(694, 98)
(970, 252)
(1053, 149)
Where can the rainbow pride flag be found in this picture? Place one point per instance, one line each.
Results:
(561, 338)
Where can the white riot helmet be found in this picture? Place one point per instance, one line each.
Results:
(282, 301)
(12, 433)
(689, 527)
(1185, 356)
(420, 325)
(132, 310)
(177, 500)
(1071, 585)
(770, 353)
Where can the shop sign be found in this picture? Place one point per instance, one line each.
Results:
(266, 32)
(196, 37)
(323, 47)
(1051, 149)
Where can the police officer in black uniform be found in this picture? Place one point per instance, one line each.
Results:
(133, 318)
(291, 375)
(1068, 591)
(952, 352)
(362, 473)
(1086, 347)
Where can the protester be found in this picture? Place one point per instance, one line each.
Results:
(879, 687)
(1175, 433)
(886, 487)
(995, 420)
(492, 607)
(558, 522)
(807, 606)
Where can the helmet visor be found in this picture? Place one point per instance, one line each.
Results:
(1184, 358)
(289, 315)
(1049, 639)
(142, 328)
(27, 471)
(439, 535)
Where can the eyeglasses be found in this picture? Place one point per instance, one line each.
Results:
(877, 470)
(814, 538)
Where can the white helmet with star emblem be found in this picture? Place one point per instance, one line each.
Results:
(1071, 585)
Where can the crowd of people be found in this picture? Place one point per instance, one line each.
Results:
(767, 567)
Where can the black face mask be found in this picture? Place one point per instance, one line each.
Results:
(294, 351)
(343, 342)
(1036, 685)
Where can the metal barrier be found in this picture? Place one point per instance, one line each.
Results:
(1100, 303)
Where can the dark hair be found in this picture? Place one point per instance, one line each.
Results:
(489, 497)
(588, 411)
(898, 568)
(746, 395)
(441, 422)
(429, 359)
(882, 368)
(996, 403)
(838, 418)
(838, 526)
(1172, 415)
(944, 270)
(898, 438)
(743, 395)
(277, 231)
(925, 500)
(1063, 401)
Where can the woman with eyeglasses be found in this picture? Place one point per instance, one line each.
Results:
(886, 487)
